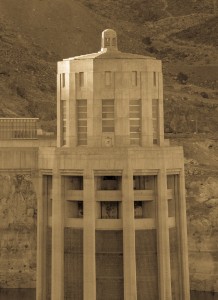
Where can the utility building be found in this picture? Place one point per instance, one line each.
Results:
(111, 204)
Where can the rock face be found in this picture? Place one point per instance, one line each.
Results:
(202, 212)
(18, 231)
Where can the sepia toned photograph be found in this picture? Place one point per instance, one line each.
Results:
(108, 150)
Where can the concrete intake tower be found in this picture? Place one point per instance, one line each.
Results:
(111, 201)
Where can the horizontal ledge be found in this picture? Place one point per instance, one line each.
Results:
(145, 172)
(109, 224)
(148, 223)
(114, 224)
(109, 277)
(76, 195)
(143, 195)
(68, 172)
(108, 172)
(108, 195)
(109, 253)
(74, 222)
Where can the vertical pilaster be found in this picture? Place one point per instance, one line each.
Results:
(40, 186)
(183, 239)
(59, 134)
(89, 269)
(146, 98)
(163, 238)
(129, 256)
(57, 273)
(160, 109)
(72, 117)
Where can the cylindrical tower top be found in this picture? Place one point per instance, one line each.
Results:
(109, 40)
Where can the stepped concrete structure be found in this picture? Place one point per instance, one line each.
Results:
(111, 197)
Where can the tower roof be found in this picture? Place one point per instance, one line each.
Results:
(109, 49)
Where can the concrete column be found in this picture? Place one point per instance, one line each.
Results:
(129, 256)
(57, 273)
(89, 269)
(40, 184)
(72, 117)
(163, 238)
(182, 231)
(160, 109)
(59, 134)
(146, 98)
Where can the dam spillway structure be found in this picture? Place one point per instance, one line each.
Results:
(111, 204)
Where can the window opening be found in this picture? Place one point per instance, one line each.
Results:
(144, 209)
(74, 209)
(107, 41)
(109, 210)
(155, 78)
(155, 111)
(82, 122)
(63, 79)
(135, 121)
(134, 78)
(107, 78)
(81, 79)
(108, 115)
(64, 121)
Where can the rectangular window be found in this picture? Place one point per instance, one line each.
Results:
(155, 121)
(109, 210)
(63, 79)
(107, 42)
(155, 78)
(172, 186)
(107, 78)
(135, 121)
(74, 209)
(108, 115)
(81, 79)
(75, 182)
(144, 204)
(64, 121)
(134, 78)
(144, 182)
(108, 183)
(81, 109)
(144, 209)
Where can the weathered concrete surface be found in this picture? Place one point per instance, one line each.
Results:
(18, 231)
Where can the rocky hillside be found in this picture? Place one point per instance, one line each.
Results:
(201, 168)
(34, 34)
(206, 34)
(140, 11)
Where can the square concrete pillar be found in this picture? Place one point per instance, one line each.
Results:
(89, 265)
(39, 184)
(181, 216)
(57, 272)
(129, 256)
(163, 238)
